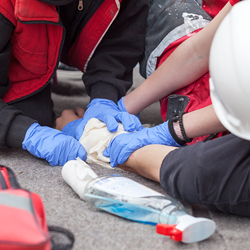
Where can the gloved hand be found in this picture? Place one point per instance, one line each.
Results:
(70, 128)
(109, 113)
(122, 107)
(52, 145)
(123, 145)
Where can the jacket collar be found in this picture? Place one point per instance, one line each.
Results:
(35, 10)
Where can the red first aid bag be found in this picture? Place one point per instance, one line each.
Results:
(23, 223)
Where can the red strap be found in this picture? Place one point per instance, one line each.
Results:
(39, 210)
(233, 2)
(4, 172)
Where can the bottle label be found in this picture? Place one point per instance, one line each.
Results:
(125, 186)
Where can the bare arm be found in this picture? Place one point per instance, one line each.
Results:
(185, 65)
(147, 160)
(202, 122)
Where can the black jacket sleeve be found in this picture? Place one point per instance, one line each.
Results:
(6, 28)
(109, 72)
(13, 125)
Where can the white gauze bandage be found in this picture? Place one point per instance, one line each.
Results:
(96, 138)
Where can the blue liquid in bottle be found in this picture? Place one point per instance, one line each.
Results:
(128, 199)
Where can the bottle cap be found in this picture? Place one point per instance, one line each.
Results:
(169, 230)
(188, 229)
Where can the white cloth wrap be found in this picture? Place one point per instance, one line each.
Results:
(95, 139)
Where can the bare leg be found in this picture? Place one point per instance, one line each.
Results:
(147, 161)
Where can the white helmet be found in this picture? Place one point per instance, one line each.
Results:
(229, 67)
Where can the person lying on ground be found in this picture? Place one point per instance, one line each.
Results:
(215, 174)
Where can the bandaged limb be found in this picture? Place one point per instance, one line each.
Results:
(95, 139)
(145, 161)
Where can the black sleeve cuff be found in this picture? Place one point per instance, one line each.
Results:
(105, 91)
(13, 126)
(17, 130)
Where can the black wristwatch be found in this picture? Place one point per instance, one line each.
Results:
(174, 119)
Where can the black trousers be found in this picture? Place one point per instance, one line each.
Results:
(215, 174)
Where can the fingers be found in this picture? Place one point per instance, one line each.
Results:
(112, 157)
(129, 122)
(69, 113)
(70, 150)
(106, 152)
(67, 116)
(138, 126)
(124, 154)
(82, 154)
(114, 149)
(111, 123)
(80, 112)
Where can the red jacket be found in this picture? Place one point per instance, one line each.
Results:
(34, 62)
(105, 40)
(174, 31)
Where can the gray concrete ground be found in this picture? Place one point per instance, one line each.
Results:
(97, 230)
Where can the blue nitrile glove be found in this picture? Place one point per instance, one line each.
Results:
(52, 145)
(108, 112)
(70, 128)
(123, 145)
(122, 107)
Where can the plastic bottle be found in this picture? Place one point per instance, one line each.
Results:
(128, 199)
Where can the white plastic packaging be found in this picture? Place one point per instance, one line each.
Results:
(128, 199)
